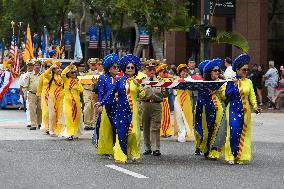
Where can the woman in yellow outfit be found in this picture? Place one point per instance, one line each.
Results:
(72, 103)
(240, 96)
(183, 109)
(209, 113)
(43, 91)
(126, 118)
(56, 95)
(105, 128)
(166, 124)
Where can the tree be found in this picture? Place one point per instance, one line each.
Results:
(36, 13)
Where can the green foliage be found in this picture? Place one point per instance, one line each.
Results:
(154, 15)
(233, 38)
(36, 13)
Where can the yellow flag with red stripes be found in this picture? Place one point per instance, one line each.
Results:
(29, 50)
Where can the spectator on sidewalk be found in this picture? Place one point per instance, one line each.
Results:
(279, 98)
(229, 72)
(271, 82)
(256, 77)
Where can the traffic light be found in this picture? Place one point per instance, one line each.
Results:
(210, 31)
(201, 31)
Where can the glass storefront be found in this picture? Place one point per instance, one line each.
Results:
(276, 32)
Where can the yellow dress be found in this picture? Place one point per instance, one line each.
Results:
(56, 96)
(43, 90)
(166, 123)
(72, 104)
(183, 116)
(238, 140)
(126, 118)
(105, 123)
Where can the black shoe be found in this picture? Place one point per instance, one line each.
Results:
(28, 125)
(157, 153)
(47, 132)
(197, 152)
(87, 128)
(147, 152)
(206, 155)
(38, 126)
(70, 138)
(32, 128)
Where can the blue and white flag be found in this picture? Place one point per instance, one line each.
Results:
(78, 55)
(93, 33)
(44, 44)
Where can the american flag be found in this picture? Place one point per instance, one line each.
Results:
(16, 69)
(93, 44)
(104, 44)
(144, 39)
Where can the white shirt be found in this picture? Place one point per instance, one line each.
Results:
(229, 73)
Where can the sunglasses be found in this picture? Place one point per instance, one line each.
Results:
(73, 72)
(151, 68)
(216, 70)
(130, 67)
(115, 67)
(245, 69)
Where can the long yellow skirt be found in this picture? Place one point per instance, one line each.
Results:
(105, 142)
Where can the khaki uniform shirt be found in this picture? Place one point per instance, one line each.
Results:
(156, 94)
(31, 82)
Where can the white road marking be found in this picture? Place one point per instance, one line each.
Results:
(131, 173)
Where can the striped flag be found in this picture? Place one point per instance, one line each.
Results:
(28, 53)
(16, 69)
(143, 37)
(93, 40)
(93, 44)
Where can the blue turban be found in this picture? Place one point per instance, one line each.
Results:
(201, 66)
(241, 59)
(130, 58)
(109, 60)
(51, 53)
(211, 64)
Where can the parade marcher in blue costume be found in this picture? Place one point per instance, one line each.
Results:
(198, 126)
(126, 118)
(240, 96)
(209, 112)
(105, 128)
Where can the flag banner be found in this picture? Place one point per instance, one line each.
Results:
(93, 40)
(1, 49)
(55, 39)
(108, 37)
(67, 40)
(16, 68)
(29, 51)
(35, 41)
(5, 82)
(144, 38)
(44, 44)
(78, 55)
(193, 85)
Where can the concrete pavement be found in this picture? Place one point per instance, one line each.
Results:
(29, 159)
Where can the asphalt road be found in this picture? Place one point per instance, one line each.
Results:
(29, 159)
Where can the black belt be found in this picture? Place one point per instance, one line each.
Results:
(152, 101)
(32, 92)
